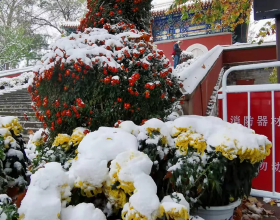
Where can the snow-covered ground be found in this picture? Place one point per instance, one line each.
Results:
(16, 83)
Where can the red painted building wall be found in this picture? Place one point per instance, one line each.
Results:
(201, 95)
(209, 41)
(250, 54)
(11, 76)
(203, 92)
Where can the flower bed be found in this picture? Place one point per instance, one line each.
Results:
(113, 172)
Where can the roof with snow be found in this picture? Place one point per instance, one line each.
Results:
(70, 24)
(161, 9)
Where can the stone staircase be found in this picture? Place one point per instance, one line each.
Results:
(17, 103)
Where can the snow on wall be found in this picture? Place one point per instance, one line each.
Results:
(194, 74)
(16, 83)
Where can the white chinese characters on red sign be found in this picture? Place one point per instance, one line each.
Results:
(264, 166)
(262, 121)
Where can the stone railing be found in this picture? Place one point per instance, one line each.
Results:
(14, 72)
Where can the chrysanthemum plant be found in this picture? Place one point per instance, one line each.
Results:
(63, 149)
(7, 209)
(13, 160)
(207, 171)
(156, 171)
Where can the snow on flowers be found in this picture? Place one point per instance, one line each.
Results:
(12, 157)
(11, 123)
(126, 165)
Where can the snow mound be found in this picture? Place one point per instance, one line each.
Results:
(51, 186)
(16, 83)
(109, 162)
(82, 211)
(96, 150)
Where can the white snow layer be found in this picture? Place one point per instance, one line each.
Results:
(16, 83)
(52, 185)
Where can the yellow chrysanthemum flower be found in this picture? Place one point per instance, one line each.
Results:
(253, 155)
(88, 189)
(178, 131)
(38, 142)
(132, 214)
(117, 197)
(127, 187)
(21, 217)
(174, 213)
(14, 125)
(5, 132)
(8, 140)
(151, 130)
(77, 138)
(78, 135)
(193, 140)
(62, 140)
(64, 197)
(164, 140)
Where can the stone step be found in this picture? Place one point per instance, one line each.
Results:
(16, 103)
(17, 109)
(15, 97)
(30, 124)
(25, 138)
(10, 113)
(32, 118)
(27, 129)
(4, 101)
(20, 110)
(9, 107)
(15, 92)
(12, 105)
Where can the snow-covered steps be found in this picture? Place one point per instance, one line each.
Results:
(17, 103)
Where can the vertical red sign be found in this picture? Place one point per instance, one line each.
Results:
(260, 121)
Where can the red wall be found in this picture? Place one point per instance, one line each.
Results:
(209, 41)
(11, 76)
(203, 92)
(249, 54)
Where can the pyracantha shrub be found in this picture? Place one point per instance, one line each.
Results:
(133, 13)
(94, 79)
(13, 160)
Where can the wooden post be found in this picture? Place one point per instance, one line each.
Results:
(277, 21)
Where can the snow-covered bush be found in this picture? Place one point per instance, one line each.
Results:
(8, 211)
(133, 14)
(62, 150)
(18, 82)
(94, 78)
(132, 172)
(187, 59)
(185, 56)
(12, 157)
